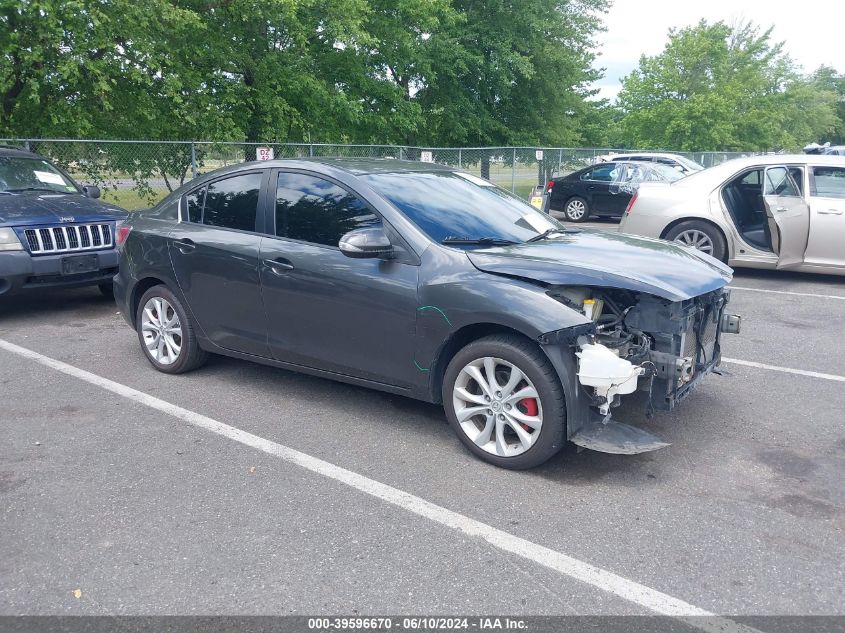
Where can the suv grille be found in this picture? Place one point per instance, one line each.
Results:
(66, 239)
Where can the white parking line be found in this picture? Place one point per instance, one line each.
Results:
(786, 370)
(624, 588)
(785, 292)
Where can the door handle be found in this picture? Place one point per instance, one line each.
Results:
(831, 212)
(781, 209)
(278, 266)
(185, 246)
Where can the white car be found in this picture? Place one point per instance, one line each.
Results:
(681, 163)
(780, 211)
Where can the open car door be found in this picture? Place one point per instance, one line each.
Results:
(788, 216)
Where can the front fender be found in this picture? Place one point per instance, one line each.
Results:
(453, 295)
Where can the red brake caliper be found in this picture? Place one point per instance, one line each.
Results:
(529, 407)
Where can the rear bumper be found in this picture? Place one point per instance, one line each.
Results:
(20, 271)
(639, 223)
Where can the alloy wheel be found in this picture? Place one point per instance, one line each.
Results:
(161, 330)
(497, 406)
(697, 239)
(575, 210)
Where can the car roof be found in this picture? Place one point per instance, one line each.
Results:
(611, 157)
(719, 173)
(356, 166)
(10, 151)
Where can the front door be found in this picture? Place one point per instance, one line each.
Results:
(826, 246)
(327, 311)
(597, 184)
(788, 216)
(215, 255)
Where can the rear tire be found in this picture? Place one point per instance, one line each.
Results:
(576, 210)
(107, 290)
(702, 236)
(516, 421)
(166, 334)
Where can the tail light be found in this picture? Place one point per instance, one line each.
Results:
(123, 232)
(550, 185)
(631, 202)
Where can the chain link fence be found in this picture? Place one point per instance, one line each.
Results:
(136, 174)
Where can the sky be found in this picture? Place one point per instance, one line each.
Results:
(812, 31)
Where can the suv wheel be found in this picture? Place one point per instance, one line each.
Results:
(504, 400)
(165, 332)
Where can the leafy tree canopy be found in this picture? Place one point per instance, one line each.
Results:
(717, 87)
(387, 71)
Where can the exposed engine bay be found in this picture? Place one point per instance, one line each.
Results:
(637, 341)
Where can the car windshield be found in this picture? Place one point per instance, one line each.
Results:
(32, 174)
(458, 206)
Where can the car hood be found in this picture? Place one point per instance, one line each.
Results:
(23, 209)
(609, 260)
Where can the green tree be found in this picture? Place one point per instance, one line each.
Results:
(828, 79)
(516, 73)
(720, 88)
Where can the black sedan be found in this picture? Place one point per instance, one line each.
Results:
(427, 282)
(604, 189)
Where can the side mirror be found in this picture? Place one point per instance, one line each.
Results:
(91, 191)
(365, 244)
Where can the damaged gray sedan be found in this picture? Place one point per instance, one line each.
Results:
(431, 283)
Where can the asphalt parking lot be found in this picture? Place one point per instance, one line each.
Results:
(114, 504)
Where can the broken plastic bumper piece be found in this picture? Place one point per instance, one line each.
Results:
(609, 436)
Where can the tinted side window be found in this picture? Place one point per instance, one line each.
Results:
(232, 203)
(193, 205)
(829, 182)
(167, 210)
(602, 173)
(315, 210)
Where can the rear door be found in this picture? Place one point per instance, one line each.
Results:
(826, 245)
(788, 216)
(215, 253)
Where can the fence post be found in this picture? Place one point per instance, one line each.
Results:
(26, 145)
(401, 153)
(513, 172)
(311, 150)
(559, 160)
(193, 160)
(459, 158)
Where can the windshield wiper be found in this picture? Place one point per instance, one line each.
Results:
(486, 241)
(37, 189)
(550, 232)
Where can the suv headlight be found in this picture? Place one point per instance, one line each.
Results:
(9, 241)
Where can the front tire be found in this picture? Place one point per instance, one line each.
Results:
(503, 398)
(107, 290)
(165, 332)
(700, 235)
(576, 210)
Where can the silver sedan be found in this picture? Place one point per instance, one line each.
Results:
(777, 211)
